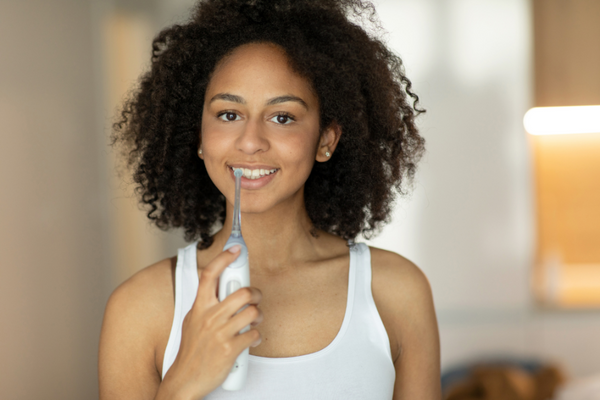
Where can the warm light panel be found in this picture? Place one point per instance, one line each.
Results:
(562, 120)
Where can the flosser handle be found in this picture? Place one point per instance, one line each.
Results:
(236, 276)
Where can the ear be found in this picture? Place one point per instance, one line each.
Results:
(200, 147)
(328, 141)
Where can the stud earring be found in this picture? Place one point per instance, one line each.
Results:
(327, 154)
(200, 152)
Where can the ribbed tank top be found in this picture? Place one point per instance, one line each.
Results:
(357, 364)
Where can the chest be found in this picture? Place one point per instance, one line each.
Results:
(302, 314)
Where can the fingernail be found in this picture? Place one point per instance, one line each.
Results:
(234, 249)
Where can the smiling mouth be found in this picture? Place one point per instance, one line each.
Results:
(253, 174)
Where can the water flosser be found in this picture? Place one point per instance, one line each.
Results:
(235, 276)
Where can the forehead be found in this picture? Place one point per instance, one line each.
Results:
(259, 69)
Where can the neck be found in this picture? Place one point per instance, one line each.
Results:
(277, 239)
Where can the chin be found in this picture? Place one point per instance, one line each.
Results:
(255, 207)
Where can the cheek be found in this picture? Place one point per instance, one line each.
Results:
(214, 147)
(298, 155)
(214, 141)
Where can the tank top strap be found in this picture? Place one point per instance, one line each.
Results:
(186, 287)
(362, 267)
(364, 302)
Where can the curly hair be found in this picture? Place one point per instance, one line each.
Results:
(360, 85)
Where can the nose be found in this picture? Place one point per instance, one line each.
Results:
(252, 138)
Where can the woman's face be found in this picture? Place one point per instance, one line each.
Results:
(261, 116)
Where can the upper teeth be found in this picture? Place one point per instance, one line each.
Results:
(256, 173)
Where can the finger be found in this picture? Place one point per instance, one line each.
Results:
(209, 276)
(250, 315)
(245, 340)
(259, 319)
(238, 299)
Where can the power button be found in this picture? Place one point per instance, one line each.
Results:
(235, 367)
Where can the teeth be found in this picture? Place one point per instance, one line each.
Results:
(256, 173)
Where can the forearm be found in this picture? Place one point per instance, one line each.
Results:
(172, 390)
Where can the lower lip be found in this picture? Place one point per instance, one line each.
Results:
(254, 183)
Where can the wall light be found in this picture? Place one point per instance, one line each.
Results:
(562, 120)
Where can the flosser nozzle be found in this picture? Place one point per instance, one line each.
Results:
(236, 228)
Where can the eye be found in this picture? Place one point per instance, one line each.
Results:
(228, 116)
(283, 119)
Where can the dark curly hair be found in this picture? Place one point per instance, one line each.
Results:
(360, 85)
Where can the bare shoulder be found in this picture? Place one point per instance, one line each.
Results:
(146, 290)
(397, 277)
(137, 317)
(402, 295)
(405, 303)
(144, 302)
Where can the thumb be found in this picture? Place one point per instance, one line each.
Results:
(209, 276)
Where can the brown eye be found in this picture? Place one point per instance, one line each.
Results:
(228, 116)
(283, 119)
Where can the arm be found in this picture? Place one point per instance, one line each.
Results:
(138, 317)
(136, 314)
(403, 296)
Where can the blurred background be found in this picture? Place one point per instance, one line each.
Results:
(506, 225)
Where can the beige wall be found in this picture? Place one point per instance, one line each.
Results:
(53, 260)
(70, 230)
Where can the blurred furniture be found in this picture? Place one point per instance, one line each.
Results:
(502, 380)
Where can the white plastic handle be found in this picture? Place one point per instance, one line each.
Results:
(236, 276)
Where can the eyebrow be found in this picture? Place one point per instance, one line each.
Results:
(276, 100)
(284, 99)
(228, 97)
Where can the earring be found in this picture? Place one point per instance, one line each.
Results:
(200, 152)
(327, 154)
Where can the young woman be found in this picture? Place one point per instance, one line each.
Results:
(317, 113)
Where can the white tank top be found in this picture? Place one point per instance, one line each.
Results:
(357, 364)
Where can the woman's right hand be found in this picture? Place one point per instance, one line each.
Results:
(210, 340)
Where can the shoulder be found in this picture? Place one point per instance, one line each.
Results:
(398, 278)
(403, 297)
(138, 316)
(146, 292)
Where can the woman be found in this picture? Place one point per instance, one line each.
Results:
(316, 112)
